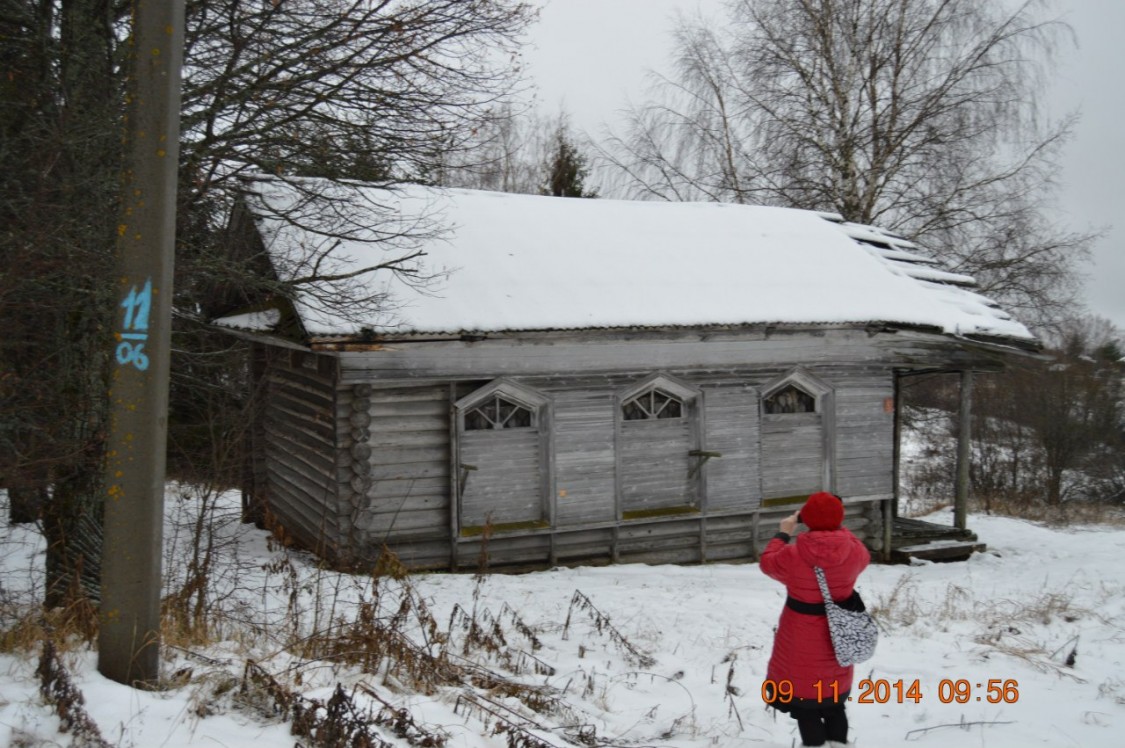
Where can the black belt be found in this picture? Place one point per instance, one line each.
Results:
(854, 602)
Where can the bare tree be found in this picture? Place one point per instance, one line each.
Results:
(60, 158)
(523, 151)
(376, 89)
(385, 91)
(1051, 430)
(502, 156)
(1046, 432)
(916, 115)
(372, 89)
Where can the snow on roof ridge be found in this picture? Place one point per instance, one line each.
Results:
(523, 262)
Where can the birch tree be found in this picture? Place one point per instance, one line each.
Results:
(522, 151)
(916, 115)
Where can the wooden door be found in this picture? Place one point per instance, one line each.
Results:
(502, 450)
(501, 478)
(796, 454)
(655, 439)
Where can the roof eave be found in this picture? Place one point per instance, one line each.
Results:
(373, 341)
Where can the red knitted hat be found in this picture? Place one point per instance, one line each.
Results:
(823, 511)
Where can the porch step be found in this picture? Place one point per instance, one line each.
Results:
(938, 550)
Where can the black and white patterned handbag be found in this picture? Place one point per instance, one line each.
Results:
(854, 632)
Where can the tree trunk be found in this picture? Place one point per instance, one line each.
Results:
(84, 183)
(25, 504)
(1054, 487)
(73, 528)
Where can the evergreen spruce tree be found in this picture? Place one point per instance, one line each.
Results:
(566, 168)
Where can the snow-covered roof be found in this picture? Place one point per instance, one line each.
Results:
(504, 262)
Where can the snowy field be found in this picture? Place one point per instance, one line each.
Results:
(619, 656)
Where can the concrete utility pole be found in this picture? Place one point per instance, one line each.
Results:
(129, 633)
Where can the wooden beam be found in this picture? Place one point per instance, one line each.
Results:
(939, 550)
(964, 443)
(454, 477)
(890, 507)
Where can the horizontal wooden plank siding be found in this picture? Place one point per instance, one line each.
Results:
(298, 436)
(578, 354)
(371, 455)
(419, 555)
(861, 517)
(674, 542)
(729, 538)
(865, 435)
(505, 484)
(505, 550)
(586, 547)
(407, 500)
(792, 455)
(655, 465)
(724, 539)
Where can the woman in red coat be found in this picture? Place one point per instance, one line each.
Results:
(803, 677)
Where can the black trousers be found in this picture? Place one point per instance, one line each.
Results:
(818, 725)
(817, 721)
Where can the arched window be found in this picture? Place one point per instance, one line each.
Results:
(499, 413)
(652, 403)
(789, 399)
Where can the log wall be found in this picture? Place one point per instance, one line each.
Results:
(363, 451)
(297, 438)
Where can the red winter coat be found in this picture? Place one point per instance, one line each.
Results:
(802, 648)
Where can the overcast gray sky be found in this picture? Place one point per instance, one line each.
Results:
(590, 56)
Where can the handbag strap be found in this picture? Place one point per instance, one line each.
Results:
(820, 580)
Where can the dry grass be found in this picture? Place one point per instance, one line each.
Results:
(26, 626)
(905, 605)
(233, 647)
(58, 689)
(1066, 514)
(1020, 628)
(1114, 689)
(386, 637)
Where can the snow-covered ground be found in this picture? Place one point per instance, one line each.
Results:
(627, 655)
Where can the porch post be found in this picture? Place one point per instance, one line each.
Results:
(964, 442)
(890, 508)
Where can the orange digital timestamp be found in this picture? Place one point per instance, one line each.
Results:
(882, 691)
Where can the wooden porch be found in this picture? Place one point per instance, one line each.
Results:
(915, 538)
(908, 538)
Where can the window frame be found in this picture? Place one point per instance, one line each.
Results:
(785, 388)
(502, 424)
(681, 402)
(824, 408)
(691, 414)
(540, 407)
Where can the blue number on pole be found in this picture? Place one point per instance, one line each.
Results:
(137, 306)
(134, 330)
